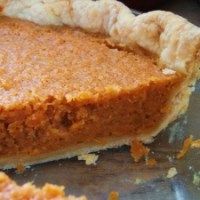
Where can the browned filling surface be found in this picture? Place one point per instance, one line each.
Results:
(61, 87)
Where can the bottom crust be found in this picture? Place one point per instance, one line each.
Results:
(180, 104)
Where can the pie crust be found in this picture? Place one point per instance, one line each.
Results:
(170, 40)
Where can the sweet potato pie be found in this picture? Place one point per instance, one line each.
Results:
(80, 76)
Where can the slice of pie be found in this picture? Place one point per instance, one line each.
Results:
(78, 76)
(9, 190)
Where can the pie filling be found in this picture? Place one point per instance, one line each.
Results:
(62, 87)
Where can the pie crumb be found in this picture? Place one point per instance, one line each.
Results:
(170, 158)
(151, 162)
(138, 150)
(113, 196)
(167, 71)
(195, 144)
(196, 179)
(186, 146)
(20, 168)
(90, 159)
(139, 181)
(172, 172)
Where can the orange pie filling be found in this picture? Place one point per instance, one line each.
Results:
(61, 88)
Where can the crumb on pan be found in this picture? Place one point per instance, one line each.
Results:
(170, 158)
(196, 179)
(168, 71)
(90, 159)
(139, 181)
(186, 146)
(113, 195)
(195, 143)
(138, 150)
(20, 168)
(172, 172)
(151, 162)
(190, 167)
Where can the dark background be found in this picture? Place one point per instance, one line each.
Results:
(190, 9)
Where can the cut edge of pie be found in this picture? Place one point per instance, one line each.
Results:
(172, 38)
(16, 160)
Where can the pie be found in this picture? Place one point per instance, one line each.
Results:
(78, 76)
(9, 190)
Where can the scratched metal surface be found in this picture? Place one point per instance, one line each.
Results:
(115, 169)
